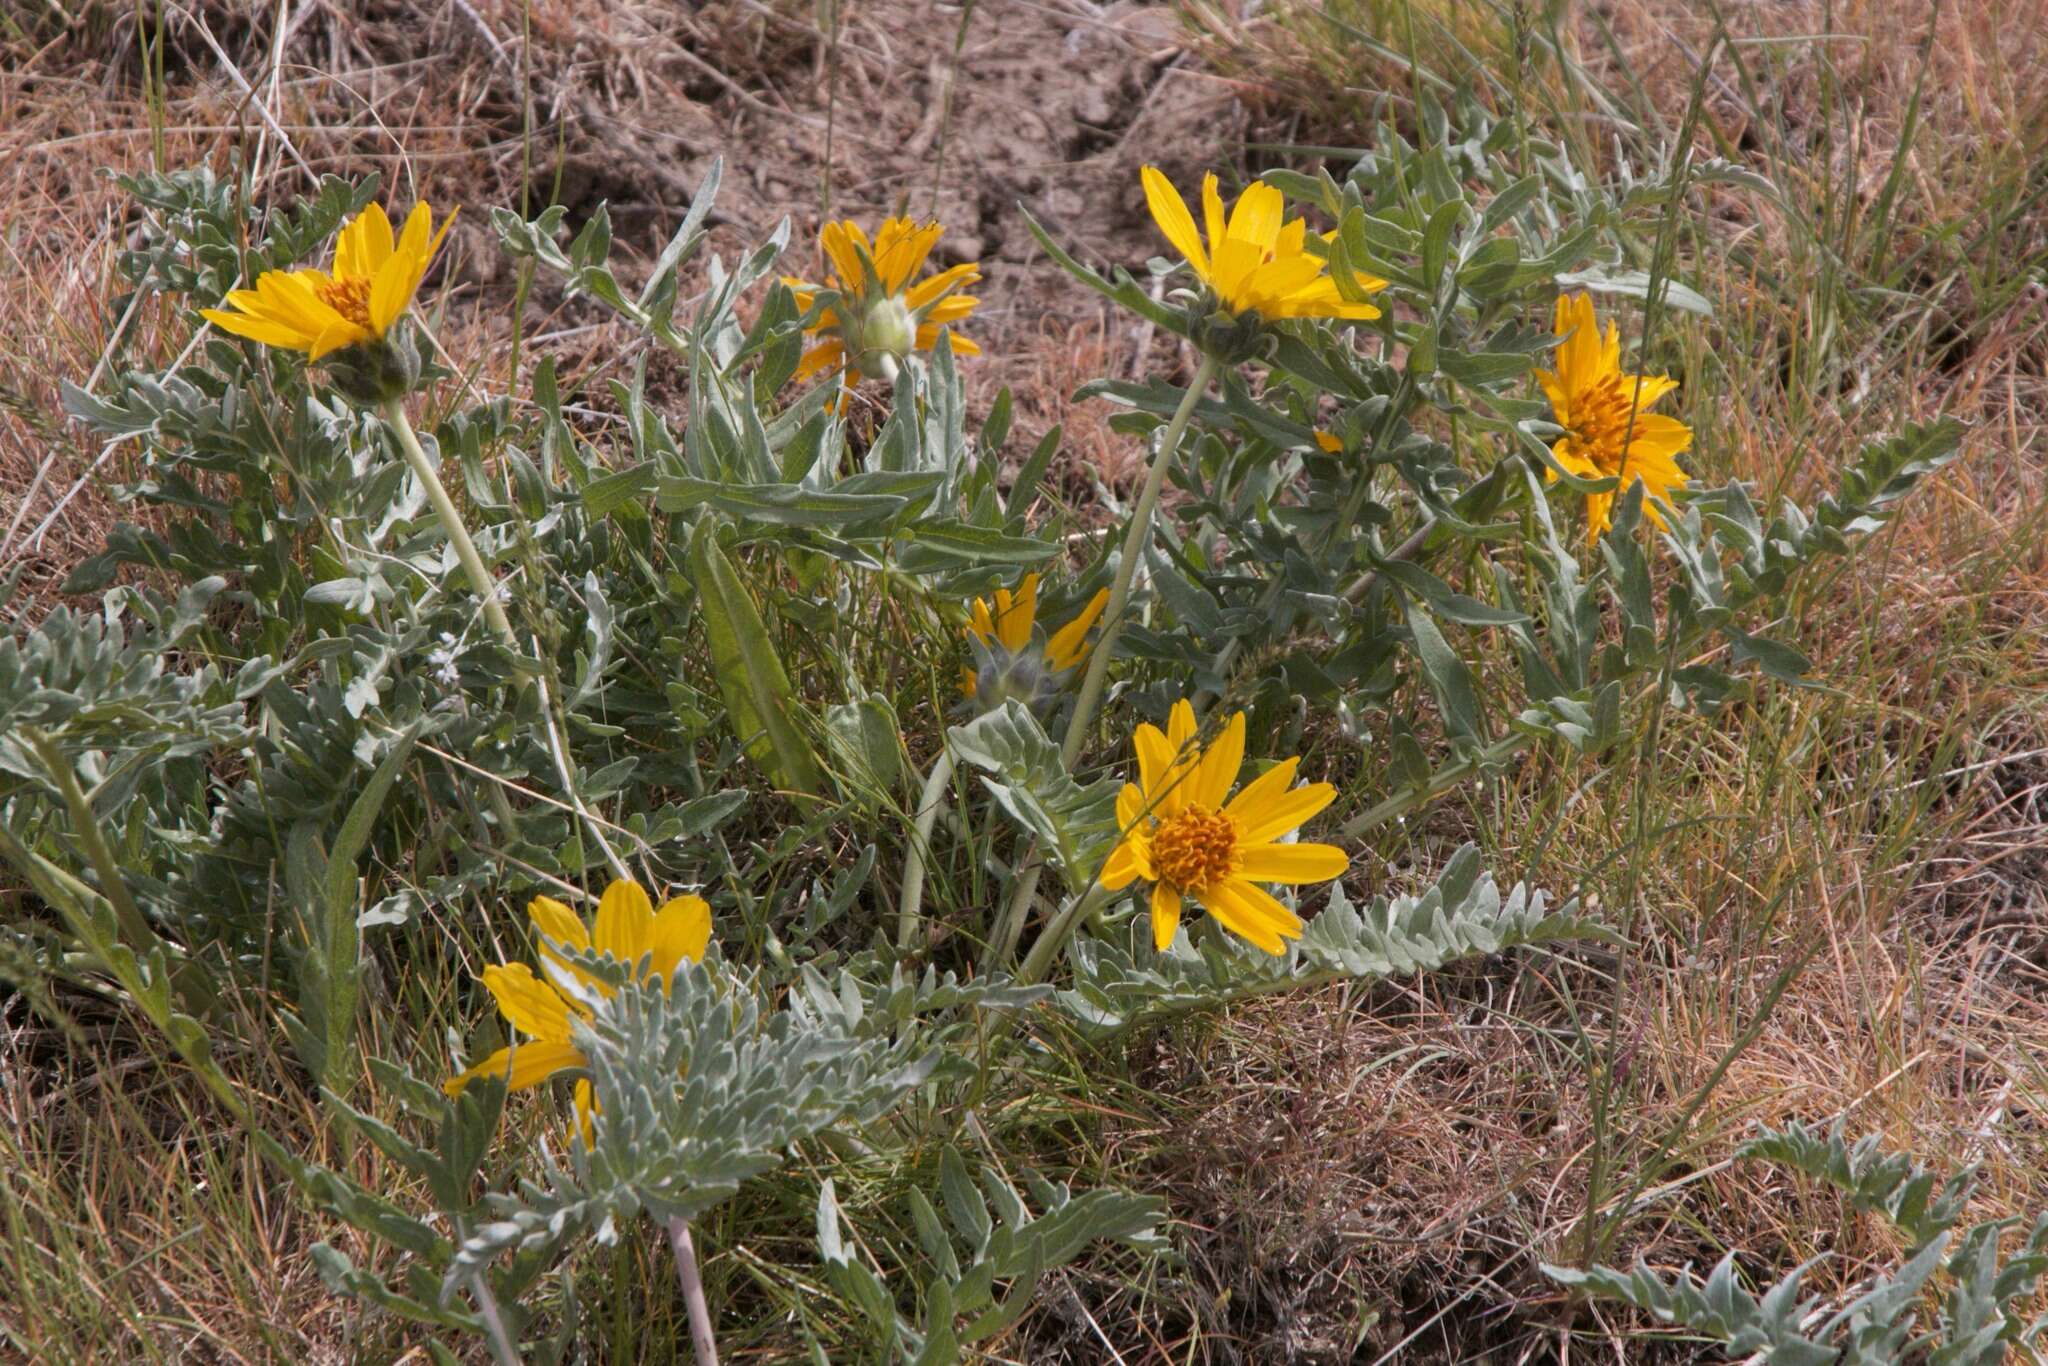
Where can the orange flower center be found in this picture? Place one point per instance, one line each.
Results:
(1600, 421)
(350, 298)
(1194, 847)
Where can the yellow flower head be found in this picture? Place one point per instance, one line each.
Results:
(1003, 638)
(874, 315)
(628, 928)
(371, 286)
(1601, 408)
(1182, 835)
(1255, 263)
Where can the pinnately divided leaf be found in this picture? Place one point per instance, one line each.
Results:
(1464, 914)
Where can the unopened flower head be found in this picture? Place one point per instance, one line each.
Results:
(544, 1007)
(1011, 660)
(874, 316)
(374, 277)
(1256, 267)
(1185, 834)
(1602, 409)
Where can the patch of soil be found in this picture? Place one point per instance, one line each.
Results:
(1052, 104)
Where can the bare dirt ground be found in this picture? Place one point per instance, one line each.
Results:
(1053, 105)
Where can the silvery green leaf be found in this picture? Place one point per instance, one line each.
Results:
(1635, 284)
(1120, 981)
(699, 1088)
(1032, 785)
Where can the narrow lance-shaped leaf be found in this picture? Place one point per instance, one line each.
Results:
(757, 691)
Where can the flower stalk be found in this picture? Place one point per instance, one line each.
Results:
(1135, 541)
(1011, 927)
(503, 1352)
(1047, 946)
(393, 411)
(701, 1336)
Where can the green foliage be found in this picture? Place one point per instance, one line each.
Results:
(758, 696)
(1872, 1180)
(1977, 1323)
(735, 617)
(698, 1090)
(1119, 982)
(970, 1251)
(1023, 772)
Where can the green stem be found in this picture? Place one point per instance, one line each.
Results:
(929, 806)
(1135, 540)
(85, 826)
(701, 1337)
(1011, 927)
(451, 521)
(1039, 961)
(502, 1350)
(473, 564)
(1440, 782)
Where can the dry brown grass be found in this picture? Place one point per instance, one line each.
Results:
(1892, 823)
(1376, 1167)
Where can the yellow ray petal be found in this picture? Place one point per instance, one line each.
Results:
(837, 240)
(1212, 211)
(1170, 212)
(1660, 435)
(558, 922)
(1014, 622)
(1599, 507)
(1130, 806)
(1256, 217)
(961, 346)
(1125, 865)
(532, 1005)
(1165, 915)
(1252, 914)
(391, 292)
(1069, 645)
(523, 1065)
(1233, 262)
(264, 330)
(681, 929)
(827, 355)
(625, 922)
(1292, 235)
(1217, 772)
(1578, 355)
(1292, 863)
(338, 336)
(937, 286)
(1155, 758)
(586, 1112)
(1173, 791)
(363, 245)
(1647, 389)
(1262, 790)
(1276, 815)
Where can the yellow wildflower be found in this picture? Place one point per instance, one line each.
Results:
(628, 928)
(875, 316)
(317, 312)
(1010, 626)
(1182, 835)
(1255, 263)
(1601, 408)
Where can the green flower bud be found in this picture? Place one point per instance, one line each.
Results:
(372, 372)
(886, 334)
(1229, 337)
